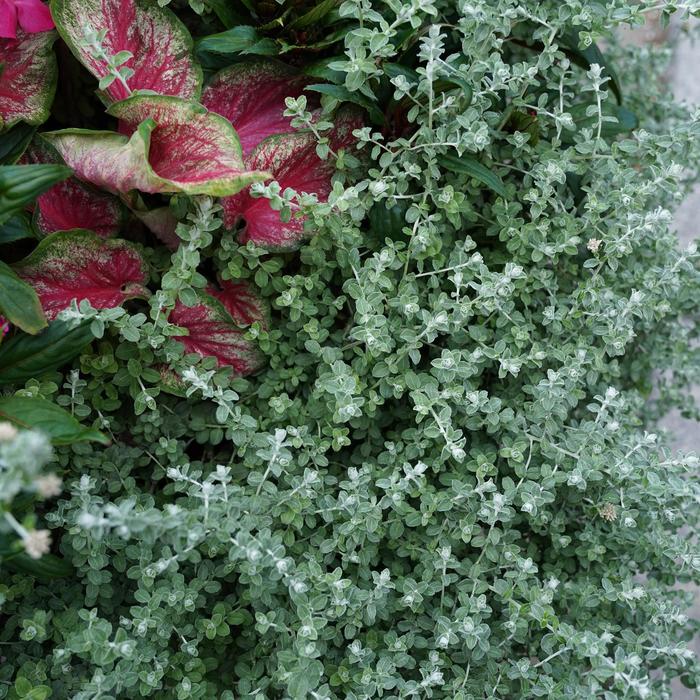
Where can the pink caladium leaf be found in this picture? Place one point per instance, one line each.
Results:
(28, 73)
(81, 265)
(241, 301)
(293, 161)
(251, 96)
(212, 332)
(160, 45)
(175, 146)
(71, 204)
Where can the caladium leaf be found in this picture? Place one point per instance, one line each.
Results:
(212, 332)
(80, 265)
(28, 73)
(241, 301)
(293, 161)
(159, 44)
(175, 146)
(251, 96)
(71, 204)
(110, 161)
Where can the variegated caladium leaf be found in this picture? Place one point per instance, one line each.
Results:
(175, 146)
(160, 45)
(293, 162)
(71, 204)
(28, 74)
(212, 332)
(241, 301)
(251, 96)
(81, 265)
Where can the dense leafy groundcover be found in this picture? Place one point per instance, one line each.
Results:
(335, 338)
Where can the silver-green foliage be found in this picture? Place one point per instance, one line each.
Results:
(447, 482)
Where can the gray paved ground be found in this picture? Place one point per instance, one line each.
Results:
(686, 86)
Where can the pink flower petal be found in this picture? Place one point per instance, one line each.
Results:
(8, 20)
(34, 16)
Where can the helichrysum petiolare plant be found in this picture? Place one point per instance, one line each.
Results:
(350, 325)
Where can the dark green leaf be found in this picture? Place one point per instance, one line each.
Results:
(328, 40)
(14, 142)
(525, 123)
(388, 222)
(447, 83)
(573, 180)
(393, 70)
(48, 568)
(241, 40)
(590, 55)
(28, 356)
(322, 71)
(15, 229)
(314, 16)
(468, 165)
(227, 14)
(19, 303)
(626, 120)
(342, 94)
(689, 681)
(21, 184)
(40, 414)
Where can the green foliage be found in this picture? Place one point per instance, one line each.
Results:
(19, 303)
(446, 482)
(22, 184)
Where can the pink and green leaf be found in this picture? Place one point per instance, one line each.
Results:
(212, 332)
(160, 45)
(175, 146)
(293, 162)
(251, 96)
(108, 160)
(81, 265)
(241, 301)
(28, 74)
(71, 204)
(196, 149)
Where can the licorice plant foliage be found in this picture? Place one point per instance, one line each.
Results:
(335, 338)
